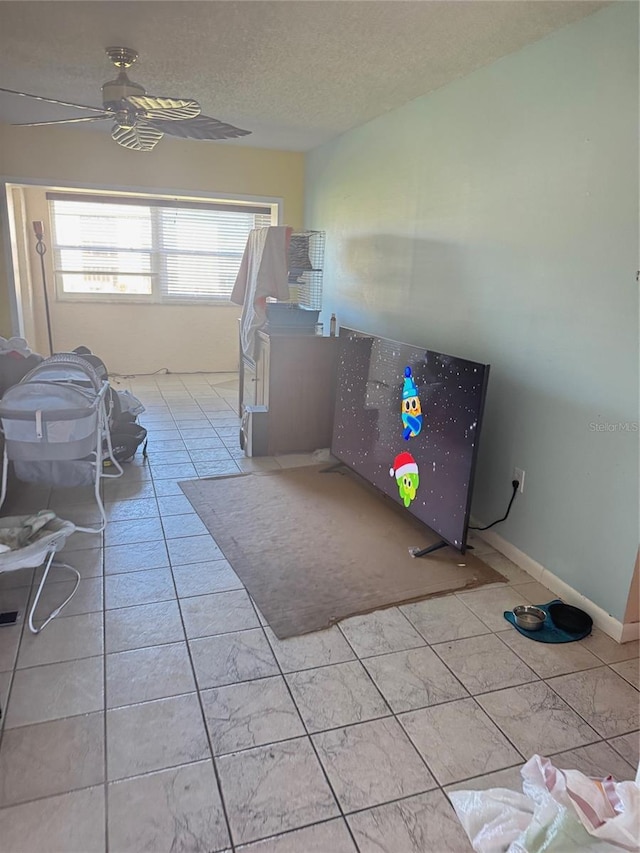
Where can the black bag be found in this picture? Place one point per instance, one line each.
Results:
(113, 401)
(95, 361)
(126, 438)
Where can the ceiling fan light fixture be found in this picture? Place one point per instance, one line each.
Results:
(126, 119)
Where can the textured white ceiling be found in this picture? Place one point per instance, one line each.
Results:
(295, 73)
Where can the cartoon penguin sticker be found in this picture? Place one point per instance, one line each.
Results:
(411, 408)
(405, 470)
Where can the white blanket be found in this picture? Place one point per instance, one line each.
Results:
(562, 811)
(263, 272)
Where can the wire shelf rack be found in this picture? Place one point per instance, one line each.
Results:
(306, 262)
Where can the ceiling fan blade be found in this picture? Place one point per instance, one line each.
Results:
(141, 137)
(63, 120)
(167, 109)
(202, 127)
(53, 100)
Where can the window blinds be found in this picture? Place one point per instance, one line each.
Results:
(161, 249)
(200, 251)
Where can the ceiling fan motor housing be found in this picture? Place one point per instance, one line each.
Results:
(114, 95)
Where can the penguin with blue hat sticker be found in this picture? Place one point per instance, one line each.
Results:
(411, 408)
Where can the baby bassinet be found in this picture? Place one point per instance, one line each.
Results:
(56, 428)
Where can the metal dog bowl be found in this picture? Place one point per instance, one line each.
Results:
(528, 617)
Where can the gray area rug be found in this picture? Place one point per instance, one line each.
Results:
(314, 548)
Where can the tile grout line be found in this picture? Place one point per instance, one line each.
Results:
(538, 679)
(562, 699)
(285, 739)
(77, 788)
(193, 670)
(288, 740)
(438, 785)
(473, 696)
(204, 721)
(432, 645)
(438, 704)
(445, 664)
(189, 639)
(575, 711)
(388, 704)
(104, 702)
(260, 841)
(611, 667)
(14, 668)
(305, 728)
(368, 657)
(597, 665)
(199, 697)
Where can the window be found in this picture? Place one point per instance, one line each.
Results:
(148, 249)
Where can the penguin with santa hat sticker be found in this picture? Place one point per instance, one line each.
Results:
(405, 470)
(411, 408)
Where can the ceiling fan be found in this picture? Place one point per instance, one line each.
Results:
(140, 120)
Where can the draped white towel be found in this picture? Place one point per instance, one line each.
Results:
(263, 272)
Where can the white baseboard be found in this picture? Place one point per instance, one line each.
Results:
(601, 619)
(630, 632)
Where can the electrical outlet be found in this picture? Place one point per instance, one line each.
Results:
(518, 474)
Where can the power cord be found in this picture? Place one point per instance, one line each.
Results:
(514, 484)
(164, 370)
(167, 372)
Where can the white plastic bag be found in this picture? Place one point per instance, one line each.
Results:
(558, 810)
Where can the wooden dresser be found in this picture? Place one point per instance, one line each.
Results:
(293, 377)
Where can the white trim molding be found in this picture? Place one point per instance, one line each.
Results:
(621, 633)
(630, 632)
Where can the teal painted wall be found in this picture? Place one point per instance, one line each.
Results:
(497, 219)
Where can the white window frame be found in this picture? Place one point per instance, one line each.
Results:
(156, 297)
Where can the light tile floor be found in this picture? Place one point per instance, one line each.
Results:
(159, 712)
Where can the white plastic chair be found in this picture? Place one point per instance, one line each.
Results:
(42, 550)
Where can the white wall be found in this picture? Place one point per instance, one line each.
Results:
(497, 219)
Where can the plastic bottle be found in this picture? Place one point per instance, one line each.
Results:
(319, 329)
(332, 326)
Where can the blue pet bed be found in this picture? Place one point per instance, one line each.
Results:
(549, 633)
